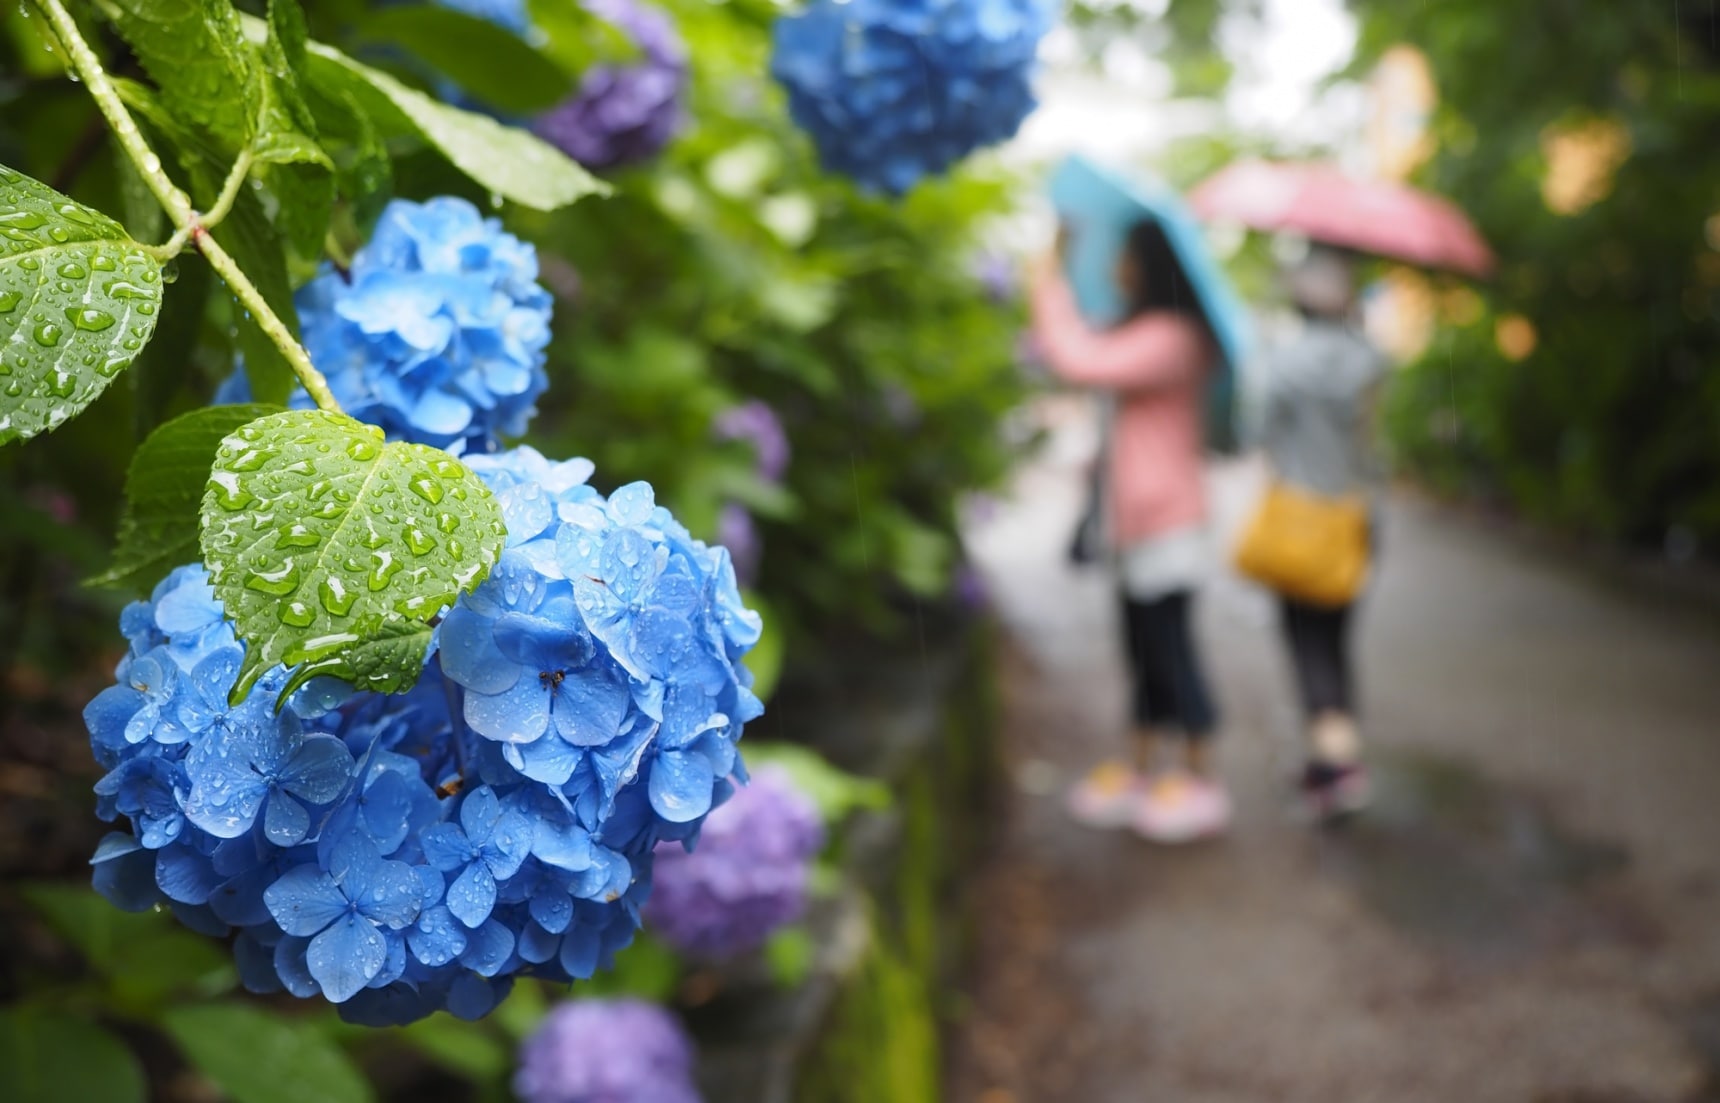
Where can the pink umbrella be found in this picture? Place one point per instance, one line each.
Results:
(1328, 205)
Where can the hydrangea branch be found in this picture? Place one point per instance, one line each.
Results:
(188, 224)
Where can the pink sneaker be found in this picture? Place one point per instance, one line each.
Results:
(1106, 797)
(1179, 808)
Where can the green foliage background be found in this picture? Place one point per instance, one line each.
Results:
(1612, 425)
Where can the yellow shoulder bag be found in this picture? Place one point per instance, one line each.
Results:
(1307, 546)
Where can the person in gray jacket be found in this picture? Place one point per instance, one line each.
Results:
(1314, 398)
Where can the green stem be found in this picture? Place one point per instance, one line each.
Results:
(188, 224)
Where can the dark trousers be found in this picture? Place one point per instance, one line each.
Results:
(1167, 688)
(1319, 639)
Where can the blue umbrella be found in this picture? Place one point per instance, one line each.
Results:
(1100, 205)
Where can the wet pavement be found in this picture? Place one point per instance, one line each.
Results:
(1530, 913)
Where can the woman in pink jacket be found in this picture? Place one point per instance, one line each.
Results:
(1153, 367)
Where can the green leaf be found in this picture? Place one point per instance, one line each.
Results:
(576, 38)
(78, 300)
(145, 957)
(258, 1057)
(196, 53)
(247, 235)
(487, 61)
(325, 543)
(464, 1048)
(48, 1057)
(835, 792)
(164, 493)
(254, 243)
(510, 162)
(295, 167)
(791, 954)
(765, 659)
(159, 374)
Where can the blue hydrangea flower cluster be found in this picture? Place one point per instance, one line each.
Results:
(436, 335)
(747, 877)
(893, 90)
(624, 114)
(403, 854)
(607, 1051)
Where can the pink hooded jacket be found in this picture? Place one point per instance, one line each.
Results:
(1156, 365)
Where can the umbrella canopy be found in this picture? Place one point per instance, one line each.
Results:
(1328, 205)
(1101, 205)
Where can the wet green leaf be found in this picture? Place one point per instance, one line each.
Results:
(510, 162)
(78, 301)
(329, 546)
(164, 493)
(487, 61)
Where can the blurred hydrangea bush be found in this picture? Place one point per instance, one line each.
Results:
(746, 878)
(894, 90)
(624, 113)
(607, 1051)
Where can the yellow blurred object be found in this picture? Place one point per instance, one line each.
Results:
(1401, 321)
(1515, 335)
(1307, 546)
(1459, 307)
(1582, 159)
(1403, 96)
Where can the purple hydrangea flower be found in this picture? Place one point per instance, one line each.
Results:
(607, 1051)
(757, 424)
(737, 532)
(623, 114)
(746, 878)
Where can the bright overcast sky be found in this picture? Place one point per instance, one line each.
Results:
(1124, 111)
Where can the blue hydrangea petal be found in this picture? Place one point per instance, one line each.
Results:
(305, 900)
(293, 969)
(552, 910)
(519, 714)
(319, 770)
(124, 873)
(537, 945)
(590, 705)
(256, 964)
(446, 847)
(437, 938)
(285, 821)
(680, 786)
(488, 948)
(632, 504)
(386, 808)
(563, 845)
(473, 894)
(186, 876)
(393, 895)
(346, 956)
(471, 996)
(580, 949)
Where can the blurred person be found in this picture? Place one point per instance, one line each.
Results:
(1152, 368)
(1314, 397)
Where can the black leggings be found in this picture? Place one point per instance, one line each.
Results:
(1320, 650)
(1167, 689)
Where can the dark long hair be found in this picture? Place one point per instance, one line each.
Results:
(1161, 283)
